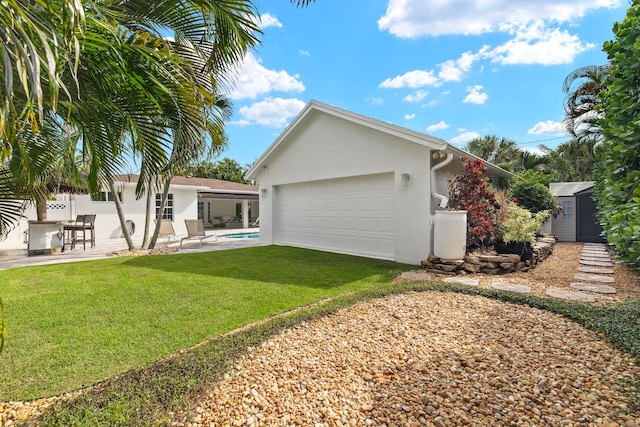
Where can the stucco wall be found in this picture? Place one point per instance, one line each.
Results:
(326, 147)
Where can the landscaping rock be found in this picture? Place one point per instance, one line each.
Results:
(471, 268)
(426, 359)
(570, 295)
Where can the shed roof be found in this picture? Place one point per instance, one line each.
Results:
(385, 127)
(568, 189)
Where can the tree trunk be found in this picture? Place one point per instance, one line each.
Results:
(123, 224)
(41, 205)
(147, 218)
(163, 202)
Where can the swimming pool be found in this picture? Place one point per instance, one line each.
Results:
(249, 235)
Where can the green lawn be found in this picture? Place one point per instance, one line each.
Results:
(71, 325)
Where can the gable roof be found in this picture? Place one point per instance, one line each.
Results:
(385, 127)
(569, 189)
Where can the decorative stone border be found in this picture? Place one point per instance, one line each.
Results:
(491, 264)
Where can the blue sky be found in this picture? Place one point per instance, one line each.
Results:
(454, 69)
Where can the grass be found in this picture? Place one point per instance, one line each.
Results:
(150, 388)
(71, 325)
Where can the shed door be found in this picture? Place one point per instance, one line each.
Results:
(588, 228)
(354, 215)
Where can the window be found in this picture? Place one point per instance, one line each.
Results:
(568, 208)
(200, 210)
(168, 208)
(105, 196)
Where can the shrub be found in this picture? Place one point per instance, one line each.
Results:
(469, 191)
(533, 196)
(617, 192)
(520, 225)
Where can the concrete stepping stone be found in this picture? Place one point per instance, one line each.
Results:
(587, 252)
(415, 276)
(597, 245)
(594, 278)
(593, 287)
(512, 287)
(469, 281)
(569, 295)
(596, 263)
(607, 256)
(596, 270)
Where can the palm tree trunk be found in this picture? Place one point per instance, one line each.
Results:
(41, 205)
(163, 201)
(147, 218)
(123, 225)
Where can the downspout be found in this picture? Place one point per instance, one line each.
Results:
(444, 200)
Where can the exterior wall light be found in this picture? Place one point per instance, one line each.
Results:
(404, 179)
(263, 192)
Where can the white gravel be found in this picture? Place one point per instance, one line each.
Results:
(432, 359)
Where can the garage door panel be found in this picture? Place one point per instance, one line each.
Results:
(352, 215)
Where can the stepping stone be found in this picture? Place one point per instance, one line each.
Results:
(463, 280)
(597, 245)
(415, 276)
(596, 263)
(594, 278)
(513, 287)
(588, 252)
(592, 255)
(593, 287)
(570, 295)
(595, 270)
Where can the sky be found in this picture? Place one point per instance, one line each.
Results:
(453, 69)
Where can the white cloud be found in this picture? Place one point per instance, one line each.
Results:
(451, 70)
(413, 79)
(416, 97)
(537, 44)
(254, 79)
(438, 126)
(376, 101)
(475, 95)
(274, 112)
(409, 116)
(416, 18)
(547, 128)
(267, 20)
(533, 150)
(303, 52)
(465, 137)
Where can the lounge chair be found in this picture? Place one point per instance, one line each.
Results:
(166, 229)
(195, 230)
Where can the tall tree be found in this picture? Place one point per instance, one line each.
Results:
(582, 87)
(493, 149)
(618, 167)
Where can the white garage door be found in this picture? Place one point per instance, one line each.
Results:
(353, 215)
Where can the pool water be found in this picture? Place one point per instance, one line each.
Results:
(253, 235)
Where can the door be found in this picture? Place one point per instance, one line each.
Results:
(588, 228)
(354, 215)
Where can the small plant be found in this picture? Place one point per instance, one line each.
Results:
(520, 225)
(469, 191)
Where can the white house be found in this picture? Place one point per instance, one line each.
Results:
(342, 182)
(218, 203)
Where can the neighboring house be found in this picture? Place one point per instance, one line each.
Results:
(218, 203)
(577, 222)
(341, 182)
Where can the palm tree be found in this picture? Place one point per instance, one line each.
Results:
(493, 149)
(139, 92)
(582, 87)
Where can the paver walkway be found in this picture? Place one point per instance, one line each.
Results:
(594, 257)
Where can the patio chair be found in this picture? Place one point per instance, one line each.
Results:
(166, 229)
(84, 224)
(195, 230)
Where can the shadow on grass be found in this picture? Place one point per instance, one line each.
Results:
(276, 264)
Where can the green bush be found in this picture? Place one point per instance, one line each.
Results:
(521, 225)
(533, 196)
(617, 190)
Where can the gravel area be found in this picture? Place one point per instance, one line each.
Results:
(432, 359)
